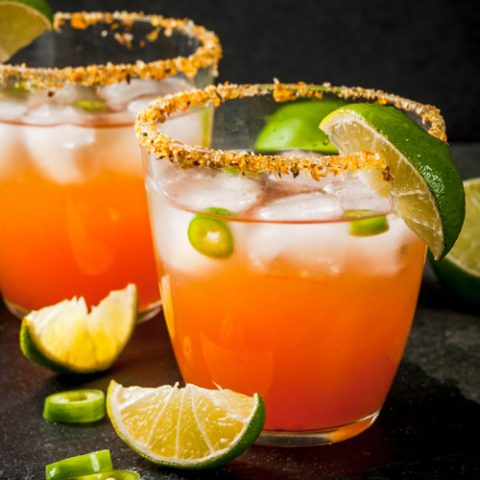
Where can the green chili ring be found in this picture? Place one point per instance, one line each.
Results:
(75, 406)
(94, 462)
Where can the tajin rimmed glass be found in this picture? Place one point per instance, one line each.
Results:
(267, 286)
(70, 167)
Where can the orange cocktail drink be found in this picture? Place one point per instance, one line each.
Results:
(302, 289)
(74, 216)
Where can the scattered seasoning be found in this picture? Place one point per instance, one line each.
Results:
(163, 147)
(207, 55)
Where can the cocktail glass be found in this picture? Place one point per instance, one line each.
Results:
(74, 213)
(270, 284)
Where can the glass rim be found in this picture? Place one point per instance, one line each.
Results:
(187, 156)
(207, 54)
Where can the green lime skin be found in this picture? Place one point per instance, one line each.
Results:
(42, 6)
(295, 126)
(463, 284)
(437, 170)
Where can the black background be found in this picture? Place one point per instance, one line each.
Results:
(428, 50)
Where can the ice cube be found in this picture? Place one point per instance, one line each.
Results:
(384, 254)
(304, 248)
(57, 151)
(355, 194)
(170, 233)
(12, 109)
(305, 206)
(200, 188)
(10, 148)
(119, 95)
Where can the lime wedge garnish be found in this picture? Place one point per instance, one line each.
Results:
(211, 236)
(190, 427)
(87, 464)
(460, 269)
(295, 126)
(365, 227)
(66, 338)
(427, 190)
(75, 406)
(21, 22)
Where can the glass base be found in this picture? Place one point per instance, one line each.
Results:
(315, 437)
(151, 310)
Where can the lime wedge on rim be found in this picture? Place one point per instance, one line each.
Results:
(189, 428)
(460, 269)
(427, 189)
(21, 22)
(66, 338)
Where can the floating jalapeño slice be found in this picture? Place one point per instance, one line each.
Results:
(365, 227)
(211, 236)
(94, 462)
(75, 406)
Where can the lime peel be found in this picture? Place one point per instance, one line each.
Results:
(67, 339)
(427, 190)
(187, 428)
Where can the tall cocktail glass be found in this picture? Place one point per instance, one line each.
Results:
(74, 213)
(283, 274)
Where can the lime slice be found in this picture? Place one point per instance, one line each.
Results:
(66, 338)
(211, 236)
(87, 464)
(460, 269)
(111, 475)
(365, 227)
(75, 406)
(190, 427)
(427, 190)
(21, 22)
(295, 126)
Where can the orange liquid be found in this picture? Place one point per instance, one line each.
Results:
(322, 350)
(87, 238)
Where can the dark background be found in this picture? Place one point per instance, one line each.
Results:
(428, 50)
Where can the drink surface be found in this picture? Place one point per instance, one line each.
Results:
(71, 176)
(302, 311)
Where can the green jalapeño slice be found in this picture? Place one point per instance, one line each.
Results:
(75, 406)
(72, 467)
(365, 227)
(111, 475)
(211, 236)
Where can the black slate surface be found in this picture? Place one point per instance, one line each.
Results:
(428, 429)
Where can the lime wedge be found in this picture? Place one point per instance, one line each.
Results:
(111, 475)
(427, 190)
(368, 226)
(21, 22)
(295, 126)
(66, 338)
(189, 428)
(460, 269)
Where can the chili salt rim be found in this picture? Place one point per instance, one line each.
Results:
(208, 54)
(164, 147)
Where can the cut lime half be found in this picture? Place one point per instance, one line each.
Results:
(295, 126)
(66, 338)
(427, 190)
(460, 269)
(189, 428)
(21, 22)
